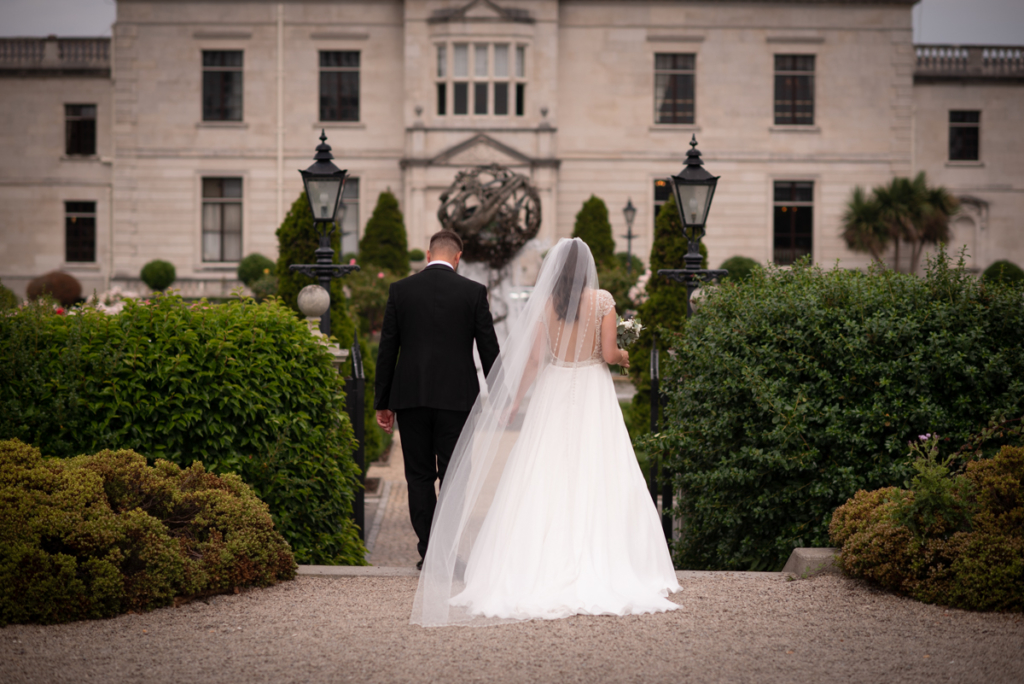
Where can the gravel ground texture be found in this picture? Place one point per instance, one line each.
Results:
(735, 627)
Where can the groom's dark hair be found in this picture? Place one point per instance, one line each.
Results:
(445, 241)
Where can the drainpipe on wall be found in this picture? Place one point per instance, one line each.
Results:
(280, 112)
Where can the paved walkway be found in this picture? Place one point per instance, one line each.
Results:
(393, 544)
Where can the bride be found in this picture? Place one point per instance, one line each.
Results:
(544, 512)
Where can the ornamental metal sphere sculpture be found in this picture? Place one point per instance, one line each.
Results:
(494, 210)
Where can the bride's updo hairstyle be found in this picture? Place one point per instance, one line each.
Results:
(563, 286)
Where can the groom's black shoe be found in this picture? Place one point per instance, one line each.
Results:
(419, 564)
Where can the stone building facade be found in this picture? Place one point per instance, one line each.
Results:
(203, 111)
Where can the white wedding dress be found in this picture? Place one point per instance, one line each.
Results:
(567, 525)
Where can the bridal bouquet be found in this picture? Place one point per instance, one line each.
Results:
(628, 331)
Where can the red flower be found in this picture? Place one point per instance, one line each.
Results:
(59, 311)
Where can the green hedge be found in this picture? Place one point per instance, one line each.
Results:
(240, 386)
(803, 386)
(94, 536)
(158, 274)
(953, 540)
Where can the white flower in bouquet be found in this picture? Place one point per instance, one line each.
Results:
(628, 331)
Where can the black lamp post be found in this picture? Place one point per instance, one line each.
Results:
(694, 188)
(324, 183)
(629, 212)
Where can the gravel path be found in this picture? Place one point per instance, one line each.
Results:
(735, 627)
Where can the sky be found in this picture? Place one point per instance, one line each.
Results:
(963, 22)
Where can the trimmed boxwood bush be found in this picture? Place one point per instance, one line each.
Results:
(802, 386)
(1004, 270)
(739, 267)
(158, 274)
(952, 540)
(94, 536)
(254, 267)
(242, 387)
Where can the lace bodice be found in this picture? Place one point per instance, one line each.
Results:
(589, 327)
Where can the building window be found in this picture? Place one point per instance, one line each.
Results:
(79, 129)
(963, 135)
(339, 86)
(662, 193)
(673, 88)
(794, 90)
(80, 231)
(481, 78)
(222, 85)
(350, 221)
(794, 220)
(222, 219)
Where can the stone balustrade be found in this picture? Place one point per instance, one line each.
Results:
(969, 61)
(62, 54)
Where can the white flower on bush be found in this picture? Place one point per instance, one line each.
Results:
(112, 301)
(627, 331)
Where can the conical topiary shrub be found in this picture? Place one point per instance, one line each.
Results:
(384, 244)
(592, 226)
(665, 307)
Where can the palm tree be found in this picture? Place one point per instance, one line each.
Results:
(903, 210)
(863, 228)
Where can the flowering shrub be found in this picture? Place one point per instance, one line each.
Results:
(242, 387)
(796, 389)
(94, 536)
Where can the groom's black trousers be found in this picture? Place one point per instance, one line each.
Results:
(428, 439)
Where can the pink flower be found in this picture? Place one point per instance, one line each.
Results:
(381, 274)
(352, 262)
(925, 438)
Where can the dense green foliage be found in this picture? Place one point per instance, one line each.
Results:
(619, 280)
(158, 274)
(384, 244)
(1004, 270)
(8, 300)
(417, 255)
(739, 268)
(803, 386)
(242, 387)
(94, 536)
(254, 267)
(368, 291)
(594, 228)
(953, 540)
(665, 307)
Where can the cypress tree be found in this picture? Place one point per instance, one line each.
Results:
(593, 227)
(384, 244)
(665, 308)
(297, 240)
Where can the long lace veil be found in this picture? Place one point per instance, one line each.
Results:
(558, 325)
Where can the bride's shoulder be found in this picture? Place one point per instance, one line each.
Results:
(605, 302)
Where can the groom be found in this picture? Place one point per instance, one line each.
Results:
(425, 369)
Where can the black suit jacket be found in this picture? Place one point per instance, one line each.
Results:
(425, 357)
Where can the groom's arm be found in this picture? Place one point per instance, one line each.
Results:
(387, 355)
(486, 340)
